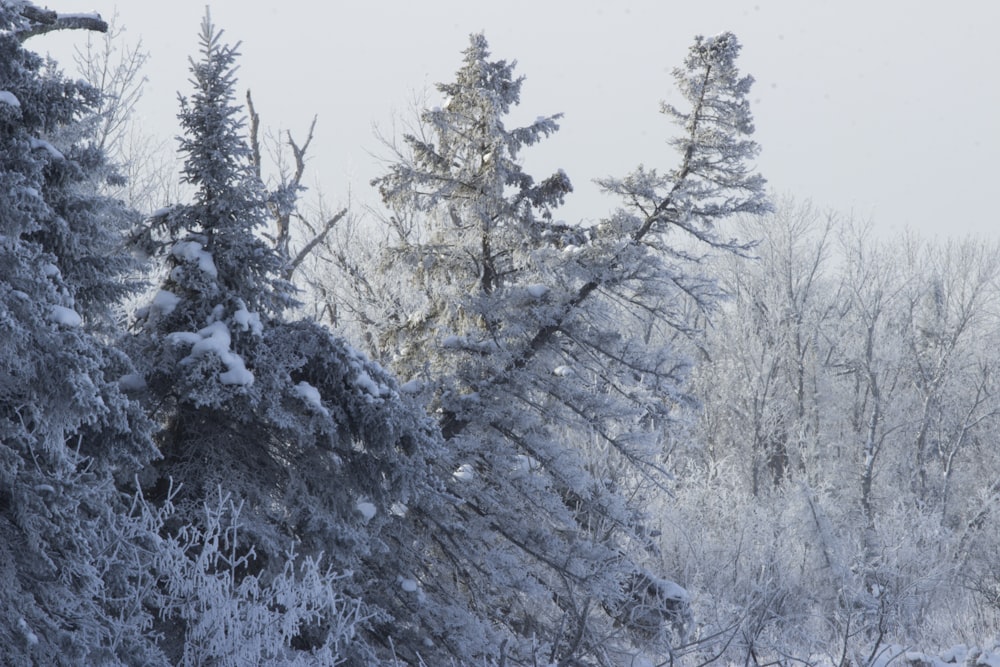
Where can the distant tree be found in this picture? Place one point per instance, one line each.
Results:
(67, 430)
(761, 380)
(142, 168)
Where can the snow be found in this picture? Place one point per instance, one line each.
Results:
(237, 374)
(8, 98)
(365, 381)
(465, 473)
(49, 148)
(562, 371)
(50, 269)
(178, 338)
(192, 251)
(956, 653)
(215, 339)
(65, 316)
(310, 394)
(366, 509)
(132, 382)
(248, 321)
(671, 591)
(451, 341)
(26, 631)
(412, 387)
(165, 302)
(408, 585)
(537, 291)
(90, 16)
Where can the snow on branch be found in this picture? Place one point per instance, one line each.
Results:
(44, 20)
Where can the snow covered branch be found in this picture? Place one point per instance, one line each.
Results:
(45, 21)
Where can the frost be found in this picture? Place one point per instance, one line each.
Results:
(465, 473)
(65, 316)
(537, 291)
(8, 98)
(165, 302)
(408, 585)
(192, 251)
(310, 394)
(366, 509)
(132, 382)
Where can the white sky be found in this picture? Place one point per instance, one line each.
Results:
(886, 109)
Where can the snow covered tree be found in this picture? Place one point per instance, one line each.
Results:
(549, 352)
(66, 429)
(313, 442)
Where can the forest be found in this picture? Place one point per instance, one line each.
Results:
(238, 427)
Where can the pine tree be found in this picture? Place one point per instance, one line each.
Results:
(66, 429)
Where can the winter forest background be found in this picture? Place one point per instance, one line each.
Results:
(241, 427)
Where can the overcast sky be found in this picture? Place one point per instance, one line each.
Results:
(886, 109)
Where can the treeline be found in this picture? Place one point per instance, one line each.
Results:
(697, 430)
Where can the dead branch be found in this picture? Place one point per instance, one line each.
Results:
(315, 241)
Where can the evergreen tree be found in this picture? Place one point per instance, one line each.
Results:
(66, 429)
(311, 442)
(554, 355)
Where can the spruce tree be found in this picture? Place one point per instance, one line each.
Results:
(555, 356)
(66, 429)
(284, 450)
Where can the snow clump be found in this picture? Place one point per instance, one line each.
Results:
(310, 395)
(366, 509)
(65, 316)
(192, 251)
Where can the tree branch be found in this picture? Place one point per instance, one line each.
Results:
(315, 241)
(254, 135)
(44, 21)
